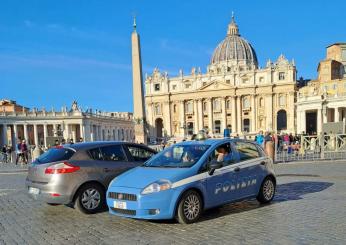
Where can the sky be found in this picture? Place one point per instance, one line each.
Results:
(54, 52)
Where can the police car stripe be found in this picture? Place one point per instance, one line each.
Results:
(226, 169)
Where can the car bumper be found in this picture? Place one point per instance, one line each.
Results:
(46, 193)
(159, 205)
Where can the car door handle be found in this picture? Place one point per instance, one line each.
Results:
(237, 169)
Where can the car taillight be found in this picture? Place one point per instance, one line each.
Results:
(62, 168)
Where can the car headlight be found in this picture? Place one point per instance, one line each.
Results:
(160, 185)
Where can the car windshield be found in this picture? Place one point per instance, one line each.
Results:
(54, 155)
(177, 156)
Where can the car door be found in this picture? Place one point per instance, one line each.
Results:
(221, 186)
(250, 168)
(115, 161)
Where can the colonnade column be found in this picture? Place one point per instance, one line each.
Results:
(15, 133)
(224, 117)
(92, 136)
(195, 113)
(239, 113)
(45, 134)
(35, 135)
(253, 114)
(182, 117)
(210, 116)
(4, 133)
(336, 114)
(319, 121)
(200, 114)
(303, 121)
(167, 117)
(234, 114)
(26, 136)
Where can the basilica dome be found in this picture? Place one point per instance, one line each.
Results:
(234, 49)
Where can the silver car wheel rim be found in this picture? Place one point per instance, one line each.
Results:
(191, 207)
(268, 189)
(91, 199)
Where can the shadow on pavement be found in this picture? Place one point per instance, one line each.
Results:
(285, 192)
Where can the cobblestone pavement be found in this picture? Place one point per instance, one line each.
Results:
(309, 208)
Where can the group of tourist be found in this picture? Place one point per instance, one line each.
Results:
(23, 151)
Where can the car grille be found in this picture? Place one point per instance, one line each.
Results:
(124, 211)
(122, 196)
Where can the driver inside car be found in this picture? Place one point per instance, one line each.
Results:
(223, 154)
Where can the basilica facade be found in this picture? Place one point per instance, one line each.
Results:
(234, 93)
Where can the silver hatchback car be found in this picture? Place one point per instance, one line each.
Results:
(78, 175)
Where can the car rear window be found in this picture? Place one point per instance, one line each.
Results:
(54, 155)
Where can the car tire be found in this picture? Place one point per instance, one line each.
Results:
(267, 191)
(90, 199)
(189, 208)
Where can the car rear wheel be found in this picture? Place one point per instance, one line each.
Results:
(90, 199)
(189, 207)
(267, 191)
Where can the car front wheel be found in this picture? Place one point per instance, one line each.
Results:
(189, 207)
(90, 199)
(267, 191)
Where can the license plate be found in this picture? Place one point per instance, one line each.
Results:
(34, 191)
(119, 204)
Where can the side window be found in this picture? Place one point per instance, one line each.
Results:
(96, 154)
(113, 153)
(140, 154)
(247, 151)
(222, 153)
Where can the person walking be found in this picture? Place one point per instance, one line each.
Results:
(24, 150)
(9, 153)
(4, 154)
(260, 138)
(19, 153)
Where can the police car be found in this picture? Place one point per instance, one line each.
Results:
(189, 177)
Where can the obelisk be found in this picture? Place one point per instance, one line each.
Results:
(138, 92)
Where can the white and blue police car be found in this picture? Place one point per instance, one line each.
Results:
(189, 177)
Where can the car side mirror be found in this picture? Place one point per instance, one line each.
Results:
(213, 165)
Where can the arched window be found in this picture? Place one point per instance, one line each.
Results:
(228, 104)
(216, 105)
(189, 107)
(205, 106)
(261, 102)
(246, 103)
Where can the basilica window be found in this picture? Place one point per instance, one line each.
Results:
(261, 102)
(189, 107)
(157, 109)
(216, 105)
(205, 106)
(245, 80)
(174, 108)
(174, 87)
(261, 79)
(187, 85)
(281, 76)
(228, 104)
(335, 86)
(246, 103)
(282, 100)
(157, 87)
(228, 81)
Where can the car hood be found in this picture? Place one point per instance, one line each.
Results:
(141, 177)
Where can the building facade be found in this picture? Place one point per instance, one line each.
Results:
(36, 126)
(234, 93)
(323, 100)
